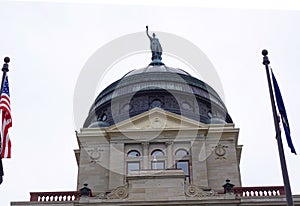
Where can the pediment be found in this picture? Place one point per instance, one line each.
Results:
(157, 119)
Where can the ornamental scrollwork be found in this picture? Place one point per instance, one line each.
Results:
(196, 191)
(118, 193)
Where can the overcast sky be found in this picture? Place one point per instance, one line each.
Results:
(49, 43)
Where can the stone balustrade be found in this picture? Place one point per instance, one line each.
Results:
(54, 196)
(238, 191)
(258, 191)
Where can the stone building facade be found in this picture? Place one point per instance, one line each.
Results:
(159, 136)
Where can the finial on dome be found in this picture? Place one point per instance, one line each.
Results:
(156, 49)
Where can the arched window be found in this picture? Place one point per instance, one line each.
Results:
(158, 162)
(157, 153)
(181, 153)
(133, 153)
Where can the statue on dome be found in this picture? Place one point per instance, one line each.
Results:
(155, 46)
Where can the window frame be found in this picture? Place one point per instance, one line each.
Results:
(187, 176)
(157, 150)
(130, 162)
(133, 150)
(158, 161)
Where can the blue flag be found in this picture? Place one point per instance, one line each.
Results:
(283, 115)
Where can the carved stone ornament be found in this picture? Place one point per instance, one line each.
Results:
(118, 193)
(220, 151)
(94, 154)
(157, 123)
(195, 191)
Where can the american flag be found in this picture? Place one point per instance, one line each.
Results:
(6, 120)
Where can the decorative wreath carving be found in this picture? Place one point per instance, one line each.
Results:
(220, 151)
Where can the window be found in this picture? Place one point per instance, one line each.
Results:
(157, 165)
(103, 117)
(133, 153)
(132, 166)
(181, 153)
(156, 103)
(157, 153)
(185, 166)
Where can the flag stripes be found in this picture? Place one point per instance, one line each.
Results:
(6, 120)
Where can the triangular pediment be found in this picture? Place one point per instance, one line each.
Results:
(157, 119)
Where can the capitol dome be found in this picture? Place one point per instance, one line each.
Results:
(157, 85)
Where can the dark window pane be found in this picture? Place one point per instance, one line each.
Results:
(184, 165)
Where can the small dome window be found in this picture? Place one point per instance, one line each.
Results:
(103, 117)
(133, 153)
(156, 103)
(209, 114)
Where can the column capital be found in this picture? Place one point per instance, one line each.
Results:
(145, 144)
(169, 143)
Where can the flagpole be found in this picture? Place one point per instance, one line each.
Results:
(285, 175)
(4, 70)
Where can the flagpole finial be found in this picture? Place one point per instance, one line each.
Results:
(5, 65)
(266, 58)
(6, 60)
(264, 52)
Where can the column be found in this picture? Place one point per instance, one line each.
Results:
(169, 163)
(145, 146)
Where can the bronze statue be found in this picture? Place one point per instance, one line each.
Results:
(155, 46)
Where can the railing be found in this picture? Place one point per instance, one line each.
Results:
(258, 191)
(54, 196)
(238, 191)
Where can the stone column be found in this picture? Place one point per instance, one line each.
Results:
(169, 163)
(145, 155)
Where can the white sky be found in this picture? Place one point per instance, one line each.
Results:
(50, 42)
